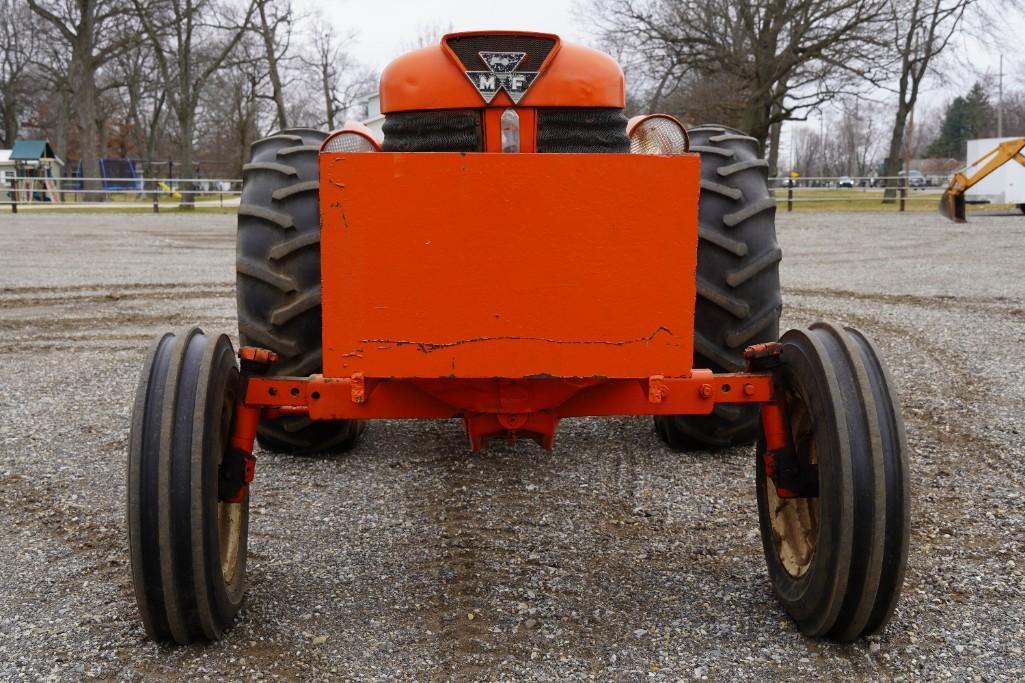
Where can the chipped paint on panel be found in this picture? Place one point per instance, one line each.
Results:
(514, 265)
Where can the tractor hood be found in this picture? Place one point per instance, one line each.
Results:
(501, 69)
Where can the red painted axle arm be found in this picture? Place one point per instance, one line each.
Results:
(358, 398)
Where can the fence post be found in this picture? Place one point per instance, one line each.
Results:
(903, 193)
(155, 189)
(14, 194)
(790, 196)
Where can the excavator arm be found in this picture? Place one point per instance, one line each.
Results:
(952, 205)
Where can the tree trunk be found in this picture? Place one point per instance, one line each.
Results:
(756, 123)
(60, 144)
(329, 99)
(10, 119)
(774, 148)
(187, 123)
(272, 67)
(84, 75)
(154, 128)
(103, 136)
(893, 155)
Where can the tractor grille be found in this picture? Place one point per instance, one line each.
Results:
(449, 130)
(566, 130)
(582, 130)
(467, 49)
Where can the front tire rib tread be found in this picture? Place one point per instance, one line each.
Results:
(851, 586)
(178, 436)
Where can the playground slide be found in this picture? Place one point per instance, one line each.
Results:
(167, 188)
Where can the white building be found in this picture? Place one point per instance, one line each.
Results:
(1005, 185)
(375, 119)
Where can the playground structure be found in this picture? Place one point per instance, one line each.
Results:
(116, 175)
(33, 172)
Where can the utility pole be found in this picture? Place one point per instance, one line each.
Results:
(1000, 99)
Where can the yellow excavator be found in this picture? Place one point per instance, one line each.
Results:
(952, 205)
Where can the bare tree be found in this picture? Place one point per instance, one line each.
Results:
(191, 41)
(51, 110)
(338, 78)
(779, 59)
(95, 31)
(144, 98)
(19, 50)
(274, 22)
(235, 108)
(922, 29)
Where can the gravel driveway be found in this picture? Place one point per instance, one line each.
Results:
(608, 558)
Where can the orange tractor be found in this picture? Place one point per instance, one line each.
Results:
(514, 253)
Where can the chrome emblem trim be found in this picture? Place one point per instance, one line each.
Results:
(502, 75)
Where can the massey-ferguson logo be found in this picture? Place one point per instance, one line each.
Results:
(502, 76)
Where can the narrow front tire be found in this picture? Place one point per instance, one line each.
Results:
(836, 560)
(188, 549)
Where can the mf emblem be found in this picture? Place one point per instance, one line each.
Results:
(502, 75)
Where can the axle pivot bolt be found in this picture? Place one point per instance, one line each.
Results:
(706, 391)
(749, 390)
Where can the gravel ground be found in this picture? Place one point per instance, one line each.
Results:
(608, 558)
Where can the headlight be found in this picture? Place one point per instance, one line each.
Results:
(657, 134)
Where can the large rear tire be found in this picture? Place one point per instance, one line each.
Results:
(188, 549)
(738, 292)
(278, 278)
(836, 554)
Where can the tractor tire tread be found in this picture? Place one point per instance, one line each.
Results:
(768, 259)
(707, 349)
(741, 336)
(304, 302)
(733, 169)
(738, 292)
(282, 220)
(718, 151)
(728, 137)
(264, 338)
(259, 271)
(283, 169)
(297, 149)
(284, 249)
(735, 247)
(733, 193)
(284, 193)
(736, 218)
(178, 433)
(858, 563)
(278, 286)
(722, 298)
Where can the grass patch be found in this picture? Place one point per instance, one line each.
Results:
(142, 208)
(854, 200)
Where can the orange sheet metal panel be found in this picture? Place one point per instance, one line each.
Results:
(508, 265)
(430, 78)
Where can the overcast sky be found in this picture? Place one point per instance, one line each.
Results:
(388, 27)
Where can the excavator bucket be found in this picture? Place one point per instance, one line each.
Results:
(952, 205)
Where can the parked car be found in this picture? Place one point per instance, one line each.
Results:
(845, 181)
(915, 178)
